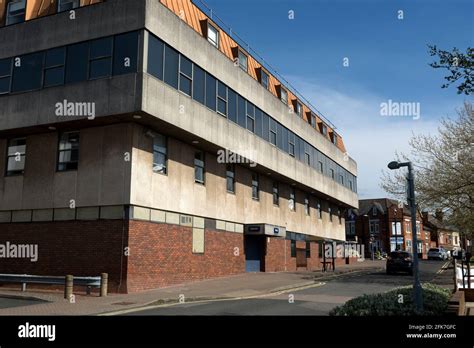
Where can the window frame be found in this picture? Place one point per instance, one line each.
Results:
(9, 76)
(263, 73)
(9, 173)
(319, 209)
(230, 175)
(283, 95)
(184, 75)
(164, 154)
(59, 151)
(9, 16)
(224, 100)
(91, 59)
(211, 28)
(276, 194)
(241, 53)
(47, 68)
(201, 166)
(307, 205)
(255, 187)
(292, 198)
(58, 8)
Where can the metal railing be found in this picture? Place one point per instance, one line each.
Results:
(201, 5)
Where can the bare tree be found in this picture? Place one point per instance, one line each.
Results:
(444, 170)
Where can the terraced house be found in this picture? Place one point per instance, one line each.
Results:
(140, 139)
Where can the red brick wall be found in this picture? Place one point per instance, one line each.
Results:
(80, 248)
(275, 260)
(161, 255)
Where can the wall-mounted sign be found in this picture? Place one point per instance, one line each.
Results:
(276, 230)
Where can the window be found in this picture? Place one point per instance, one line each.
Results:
(160, 154)
(77, 62)
(258, 122)
(330, 213)
(293, 248)
(306, 205)
(231, 105)
(331, 171)
(68, 151)
(213, 35)
(243, 60)
(374, 211)
(320, 211)
(396, 228)
(307, 158)
(156, 49)
(5, 75)
(299, 109)
(28, 72)
(350, 185)
(292, 201)
(230, 178)
(16, 153)
(418, 227)
(185, 75)
(16, 12)
(276, 194)
(265, 126)
(255, 187)
(211, 91)
(291, 144)
(241, 112)
(199, 167)
(126, 54)
(171, 66)
(280, 136)
(66, 5)
(350, 228)
(273, 131)
(308, 250)
(334, 138)
(250, 117)
(374, 226)
(341, 179)
(313, 121)
(263, 78)
(284, 96)
(54, 67)
(407, 227)
(100, 58)
(321, 168)
(323, 129)
(339, 216)
(199, 84)
(221, 98)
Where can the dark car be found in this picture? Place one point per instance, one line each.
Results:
(399, 261)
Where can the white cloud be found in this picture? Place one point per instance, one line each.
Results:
(371, 139)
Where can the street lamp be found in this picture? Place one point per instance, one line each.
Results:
(411, 200)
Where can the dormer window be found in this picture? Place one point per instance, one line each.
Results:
(374, 211)
(313, 120)
(323, 129)
(334, 138)
(243, 61)
(299, 109)
(213, 35)
(16, 12)
(283, 95)
(264, 78)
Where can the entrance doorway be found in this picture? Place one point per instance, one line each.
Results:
(301, 260)
(254, 253)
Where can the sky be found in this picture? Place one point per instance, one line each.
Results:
(387, 60)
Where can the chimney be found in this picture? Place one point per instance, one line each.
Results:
(439, 215)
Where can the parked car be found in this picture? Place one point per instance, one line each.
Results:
(399, 261)
(437, 254)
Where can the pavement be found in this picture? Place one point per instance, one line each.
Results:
(238, 287)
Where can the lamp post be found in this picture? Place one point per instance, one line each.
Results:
(411, 200)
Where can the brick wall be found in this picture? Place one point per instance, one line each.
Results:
(80, 248)
(277, 261)
(161, 255)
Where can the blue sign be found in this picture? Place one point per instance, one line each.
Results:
(276, 230)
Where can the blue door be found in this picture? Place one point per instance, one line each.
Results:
(253, 253)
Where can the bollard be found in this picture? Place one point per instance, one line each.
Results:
(104, 279)
(68, 287)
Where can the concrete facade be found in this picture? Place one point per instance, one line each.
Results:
(115, 180)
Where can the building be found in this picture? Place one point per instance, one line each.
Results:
(442, 235)
(122, 122)
(385, 225)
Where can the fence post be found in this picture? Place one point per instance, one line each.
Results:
(68, 287)
(104, 279)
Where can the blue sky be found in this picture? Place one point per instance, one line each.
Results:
(388, 59)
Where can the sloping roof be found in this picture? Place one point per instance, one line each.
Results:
(433, 221)
(382, 205)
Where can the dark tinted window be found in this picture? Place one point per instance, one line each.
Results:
(5, 75)
(77, 62)
(250, 117)
(280, 136)
(100, 56)
(185, 75)
(221, 98)
(55, 57)
(68, 151)
(101, 48)
(125, 53)
(258, 122)
(155, 57)
(241, 112)
(199, 84)
(265, 126)
(285, 139)
(27, 75)
(232, 105)
(211, 92)
(171, 66)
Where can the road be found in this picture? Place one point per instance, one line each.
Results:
(318, 300)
